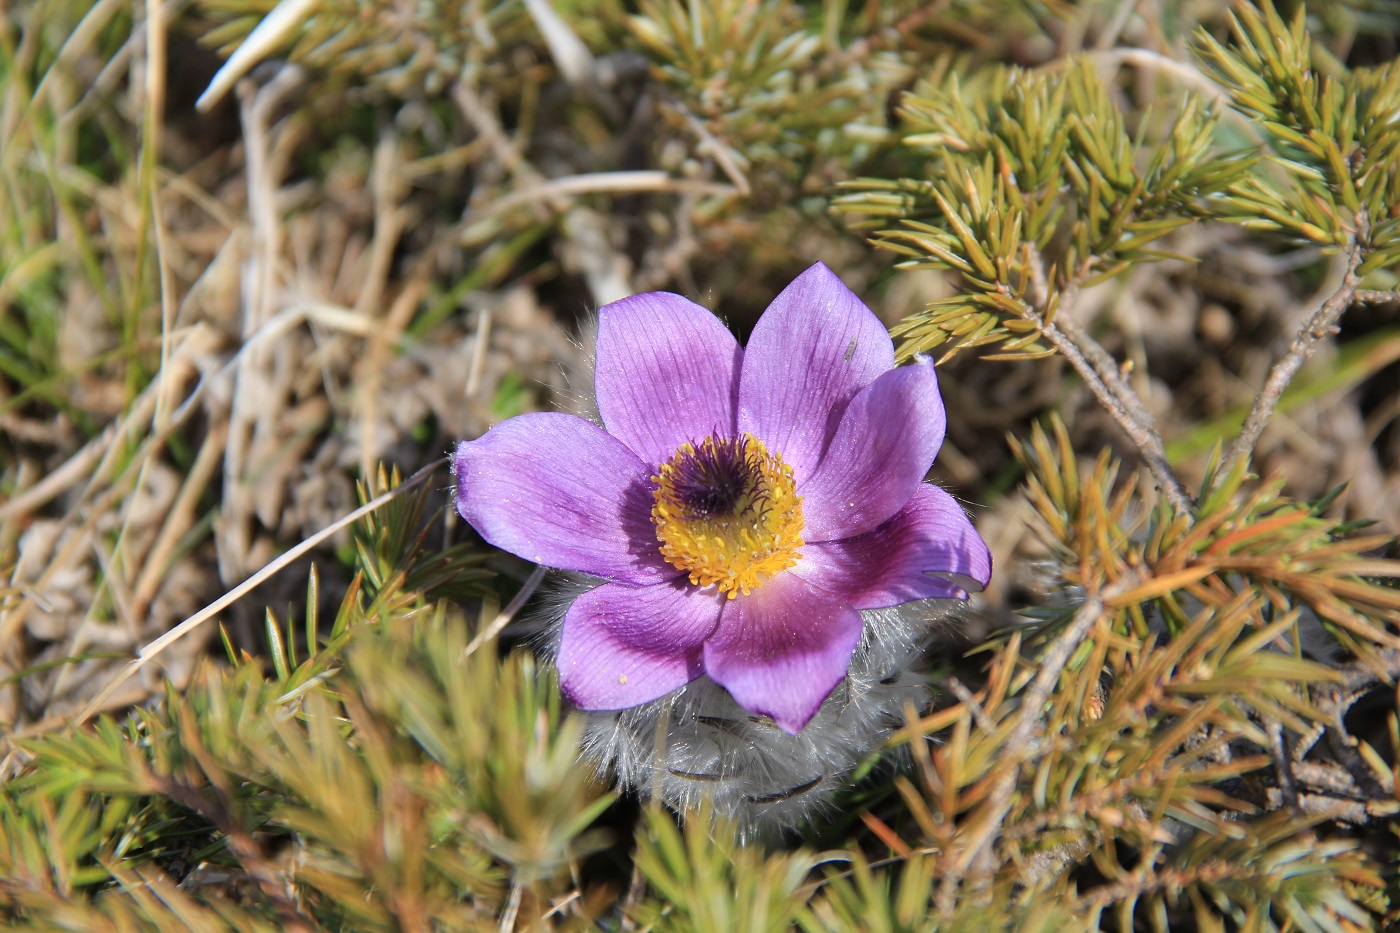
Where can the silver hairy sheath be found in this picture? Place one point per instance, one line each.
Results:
(697, 745)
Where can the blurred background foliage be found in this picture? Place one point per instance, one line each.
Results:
(383, 229)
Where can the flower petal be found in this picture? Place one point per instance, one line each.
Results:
(813, 349)
(560, 491)
(782, 649)
(893, 563)
(883, 447)
(625, 645)
(668, 372)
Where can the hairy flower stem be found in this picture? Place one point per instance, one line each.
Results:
(1321, 324)
(1103, 379)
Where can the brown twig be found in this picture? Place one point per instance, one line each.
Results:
(1111, 373)
(979, 715)
(716, 149)
(257, 397)
(1327, 778)
(1140, 884)
(1359, 675)
(1321, 324)
(1370, 296)
(1118, 398)
(1100, 372)
(1343, 745)
(1278, 747)
(488, 126)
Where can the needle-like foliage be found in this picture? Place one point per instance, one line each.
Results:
(1174, 708)
(400, 780)
(1032, 187)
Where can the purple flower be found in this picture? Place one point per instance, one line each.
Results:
(743, 505)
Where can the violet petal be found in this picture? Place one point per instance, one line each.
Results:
(782, 649)
(625, 645)
(668, 373)
(883, 447)
(893, 564)
(813, 349)
(557, 490)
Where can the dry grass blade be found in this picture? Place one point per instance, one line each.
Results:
(149, 651)
(512, 608)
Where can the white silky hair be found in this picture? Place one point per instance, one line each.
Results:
(697, 745)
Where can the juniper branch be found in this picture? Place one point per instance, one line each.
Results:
(1328, 778)
(1287, 788)
(241, 845)
(1140, 884)
(1112, 375)
(1324, 805)
(1343, 745)
(998, 803)
(1358, 675)
(1333, 791)
(1321, 324)
(1106, 380)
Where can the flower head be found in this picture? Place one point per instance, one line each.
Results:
(743, 505)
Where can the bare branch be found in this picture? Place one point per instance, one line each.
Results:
(631, 182)
(1101, 373)
(979, 715)
(1324, 805)
(1283, 757)
(1370, 296)
(1328, 778)
(1321, 324)
(1117, 397)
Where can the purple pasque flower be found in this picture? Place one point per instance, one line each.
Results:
(743, 505)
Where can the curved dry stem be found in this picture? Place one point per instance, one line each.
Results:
(1370, 296)
(149, 651)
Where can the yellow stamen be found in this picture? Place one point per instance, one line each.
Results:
(727, 512)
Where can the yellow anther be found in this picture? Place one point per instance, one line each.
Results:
(727, 512)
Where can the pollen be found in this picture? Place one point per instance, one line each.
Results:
(727, 512)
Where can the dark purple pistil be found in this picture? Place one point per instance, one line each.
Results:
(713, 478)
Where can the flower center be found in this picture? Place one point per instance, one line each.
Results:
(727, 512)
